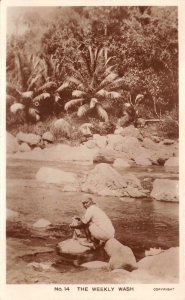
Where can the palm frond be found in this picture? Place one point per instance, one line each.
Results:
(78, 93)
(33, 81)
(92, 60)
(10, 99)
(73, 102)
(93, 103)
(83, 110)
(41, 97)
(11, 89)
(114, 95)
(27, 95)
(47, 86)
(118, 83)
(108, 60)
(102, 112)
(102, 93)
(63, 86)
(74, 80)
(109, 69)
(108, 79)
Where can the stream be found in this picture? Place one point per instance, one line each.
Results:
(140, 224)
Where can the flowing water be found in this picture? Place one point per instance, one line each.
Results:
(139, 223)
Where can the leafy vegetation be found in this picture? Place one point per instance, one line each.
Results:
(89, 61)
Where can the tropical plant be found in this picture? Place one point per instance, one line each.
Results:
(94, 84)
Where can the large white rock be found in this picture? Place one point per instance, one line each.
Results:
(48, 136)
(85, 129)
(29, 138)
(61, 128)
(24, 147)
(103, 177)
(120, 256)
(12, 145)
(101, 141)
(131, 131)
(72, 246)
(51, 175)
(62, 152)
(165, 264)
(121, 163)
(165, 190)
(106, 181)
(114, 139)
(128, 145)
(172, 162)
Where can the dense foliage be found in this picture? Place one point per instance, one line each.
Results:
(92, 60)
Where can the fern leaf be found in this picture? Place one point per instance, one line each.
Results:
(118, 83)
(91, 58)
(102, 112)
(83, 110)
(73, 102)
(41, 97)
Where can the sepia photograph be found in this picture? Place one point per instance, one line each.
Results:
(92, 145)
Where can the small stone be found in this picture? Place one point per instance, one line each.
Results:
(168, 142)
(121, 163)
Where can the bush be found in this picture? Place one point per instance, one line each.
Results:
(103, 128)
(169, 128)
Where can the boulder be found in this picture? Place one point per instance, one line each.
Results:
(120, 256)
(121, 163)
(142, 161)
(11, 215)
(128, 144)
(164, 264)
(61, 128)
(37, 149)
(101, 141)
(72, 246)
(149, 143)
(113, 140)
(41, 223)
(30, 138)
(24, 147)
(90, 144)
(172, 162)
(106, 181)
(51, 175)
(85, 129)
(48, 136)
(12, 145)
(95, 265)
(103, 177)
(165, 190)
(131, 131)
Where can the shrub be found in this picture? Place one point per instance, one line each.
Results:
(169, 128)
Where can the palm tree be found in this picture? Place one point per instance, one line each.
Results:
(93, 84)
(32, 84)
